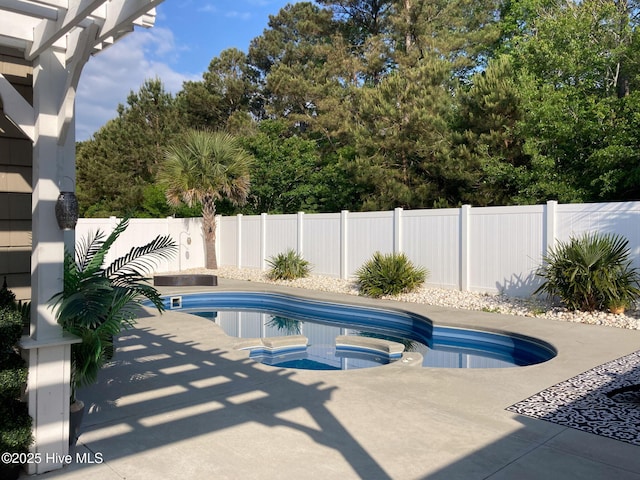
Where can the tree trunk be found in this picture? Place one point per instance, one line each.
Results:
(408, 41)
(209, 230)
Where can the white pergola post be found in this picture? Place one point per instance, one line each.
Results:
(48, 350)
(57, 37)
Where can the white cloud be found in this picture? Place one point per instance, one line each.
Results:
(111, 75)
(208, 8)
(240, 15)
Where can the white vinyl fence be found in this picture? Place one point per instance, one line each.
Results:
(187, 233)
(485, 249)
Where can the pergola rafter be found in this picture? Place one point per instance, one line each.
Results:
(32, 26)
(77, 27)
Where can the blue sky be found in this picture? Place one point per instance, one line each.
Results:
(186, 36)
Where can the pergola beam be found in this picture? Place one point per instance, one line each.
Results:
(47, 32)
(34, 26)
(16, 108)
(30, 9)
(125, 12)
(79, 49)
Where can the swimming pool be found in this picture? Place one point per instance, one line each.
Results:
(258, 315)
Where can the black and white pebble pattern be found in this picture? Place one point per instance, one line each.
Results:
(604, 400)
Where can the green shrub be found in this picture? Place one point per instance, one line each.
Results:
(591, 272)
(7, 297)
(389, 274)
(10, 330)
(288, 266)
(15, 427)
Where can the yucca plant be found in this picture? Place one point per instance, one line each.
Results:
(389, 274)
(288, 266)
(99, 301)
(590, 272)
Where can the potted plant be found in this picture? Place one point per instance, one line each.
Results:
(99, 301)
(15, 428)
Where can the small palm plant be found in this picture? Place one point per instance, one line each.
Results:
(97, 302)
(591, 272)
(389, 274)
(288, 266)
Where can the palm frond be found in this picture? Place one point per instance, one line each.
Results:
(141, 260)
(96, 262)
(87, 248)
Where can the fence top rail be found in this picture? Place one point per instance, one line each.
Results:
(594, 207)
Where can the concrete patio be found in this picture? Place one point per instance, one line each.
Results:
(180, 402)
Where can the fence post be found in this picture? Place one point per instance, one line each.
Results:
(551, 211)
(218, 241)
(239, 240)
(465, 214)
(263, 242)
(300, 231)
(397, 230)
(344, 215)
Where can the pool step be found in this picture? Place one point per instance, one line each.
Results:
(378, 344)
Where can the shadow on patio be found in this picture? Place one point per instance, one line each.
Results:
(162, 390)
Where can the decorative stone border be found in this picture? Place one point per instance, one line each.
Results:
(592, 401)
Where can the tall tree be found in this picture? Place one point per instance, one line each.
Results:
(462, 32)
(365, 27)
(226, 95)
(486, 133)
(401, 137)
(285, 176)
(206, 166)
(574, 75)
(120, 160)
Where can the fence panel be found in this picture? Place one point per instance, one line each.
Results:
(281, 235)
(506, 246)
(619, 218)
(228, 235)
(431, 238)
(250, 242)
(321, 243)
(186, 232)
(368, 233)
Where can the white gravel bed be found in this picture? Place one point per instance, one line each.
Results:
(528, 307)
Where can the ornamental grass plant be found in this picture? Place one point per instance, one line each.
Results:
(389, 274)
(288, 266)
(590, 272)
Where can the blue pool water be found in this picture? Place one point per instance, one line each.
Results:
(259, 315)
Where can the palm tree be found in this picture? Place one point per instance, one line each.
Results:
(204, 167)
(98, 301)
